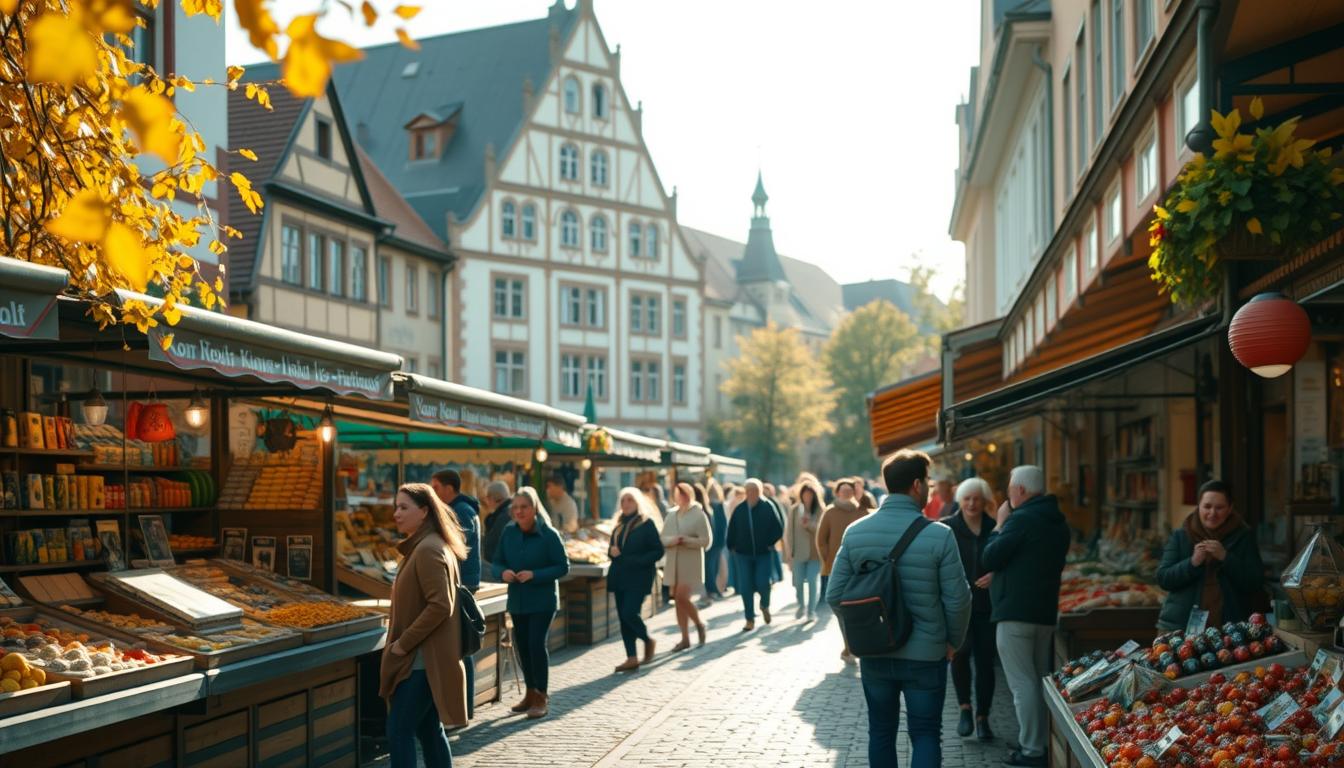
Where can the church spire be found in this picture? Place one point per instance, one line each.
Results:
(760, 262)
(759, 197)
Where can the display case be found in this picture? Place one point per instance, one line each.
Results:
(1314, 581)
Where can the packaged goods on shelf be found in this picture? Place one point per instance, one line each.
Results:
(182, 543)
(51, 545)
(292, 480)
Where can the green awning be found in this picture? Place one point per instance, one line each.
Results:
(28, 299)
(444, 403)
(236, 347)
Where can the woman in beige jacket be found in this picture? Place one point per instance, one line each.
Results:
(800, 546)
(421, 674)
(686, 536)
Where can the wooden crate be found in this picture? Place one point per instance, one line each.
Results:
(156, 752)
(280, 731)
(218, 743)
(559, 636)
(332, 729)
(487, 662)
(589, 610)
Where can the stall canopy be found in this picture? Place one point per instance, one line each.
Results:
(627, 445)
(684, 455)
(28, 295)
(1014, 401)
(728, 469)
(446, 404)
(905, 414)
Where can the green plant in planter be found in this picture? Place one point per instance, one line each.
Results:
(1269, 194)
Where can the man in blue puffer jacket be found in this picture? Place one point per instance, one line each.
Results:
(447, 485)
(933, 587)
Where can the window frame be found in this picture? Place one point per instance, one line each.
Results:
(1119, 72)
(593, 158)
(680, 365)
(1096, 40)
(601, 97)
(572, 164)
(647, 381)
(652, 238)
(1066, 104)
(324, 130)
(424, 144)
(510, 349)
(1149, 137)
(595, 296)
(601, 394)
(635, 238)
(1070, 277)
(1091, 247)
(359, 289)
(718, 331)
(298, 281)
(508, 219)
(383, 275)
(433, 293)
(1187, 83)
(579, 379)
(337, 278)
(593, 227)
(527, 220)
(313, 269)
(411, 285)
(565, 94)
(1143, 48)
(571, 237)
(585, 303)
(684, 302)
(1082, 145)
(1115, 204)
(512, 280)
(1051, 302)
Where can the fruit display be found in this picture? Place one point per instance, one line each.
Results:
(1269, 717)
(1085, 593)
(1314, 581)
(63, 651)
(16, 674)
(1174, 655)
(184, 543)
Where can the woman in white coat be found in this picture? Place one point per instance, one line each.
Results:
(686, 536)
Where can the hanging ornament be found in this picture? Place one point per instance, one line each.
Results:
(1269, 334)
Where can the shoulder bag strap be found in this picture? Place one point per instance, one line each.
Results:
(907, 538)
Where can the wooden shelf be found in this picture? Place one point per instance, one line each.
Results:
(59, 453)
(1136, 461)
(80, 512)
(193, 552)
(39, 567)
(135, 469)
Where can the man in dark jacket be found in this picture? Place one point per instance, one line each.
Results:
(753, 530)
(1026, 555)
(499, 498)
(447, 486)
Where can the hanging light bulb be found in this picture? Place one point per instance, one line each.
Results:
(992, 447)
(197, 413)
(95, 408)
(541, 454)
(326, 428)
(969, 456)
(586, 464)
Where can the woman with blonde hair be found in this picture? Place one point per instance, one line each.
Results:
(421, 673)
(531, 559)
(635, 552)
(686, 536)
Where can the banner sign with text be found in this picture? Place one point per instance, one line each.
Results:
(230, 357)
(26, 315)
(433, 410)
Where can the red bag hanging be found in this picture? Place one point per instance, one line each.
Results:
(133, 421)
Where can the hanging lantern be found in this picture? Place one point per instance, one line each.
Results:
(541, 454)
(95, 408)
(197, 412)
(154, 425)
(1269, 334)
(326, 428)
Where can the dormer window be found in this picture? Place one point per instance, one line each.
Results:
(424, 144)
(430, 132)
(323, 138)
(599, 101)
(572, 95)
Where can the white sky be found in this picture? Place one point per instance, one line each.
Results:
(847, 107)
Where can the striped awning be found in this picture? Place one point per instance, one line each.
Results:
(906, 413)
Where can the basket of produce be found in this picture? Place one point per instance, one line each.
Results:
(1314, 581)
(24, 687)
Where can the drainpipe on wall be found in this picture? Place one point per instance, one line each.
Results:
(1045, 67)
(444, 281)
(1200, 138)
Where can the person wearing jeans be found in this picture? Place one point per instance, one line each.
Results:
(531, 560)
(923, 684)
(935, 593)
(1026, 555)
(800, 547)
(972, 526)
(754, 529)
(635, 551)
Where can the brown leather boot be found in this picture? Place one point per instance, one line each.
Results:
(629, 665)
(526, 703)
(540, 706)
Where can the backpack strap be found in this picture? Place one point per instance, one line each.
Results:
(908, 538)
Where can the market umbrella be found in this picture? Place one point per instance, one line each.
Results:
(590, 406)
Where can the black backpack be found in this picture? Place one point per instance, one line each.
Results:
(473, 621)
(872, 612)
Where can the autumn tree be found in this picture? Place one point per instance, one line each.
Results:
(781, 398)
(876, 345)
(96, 162)
(931, 312)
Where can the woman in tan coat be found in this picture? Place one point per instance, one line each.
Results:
(800, 546)
(686, 536)
(422, 676)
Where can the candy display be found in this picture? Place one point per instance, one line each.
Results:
(126, 622)
(266, 603)
(1270, 716)
(315, 614)
(1175, 655)
(1314, 581)
(292, 480)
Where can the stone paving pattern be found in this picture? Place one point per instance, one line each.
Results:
(779, 696)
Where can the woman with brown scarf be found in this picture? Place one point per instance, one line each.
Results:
(422, 676)
(1212, 562)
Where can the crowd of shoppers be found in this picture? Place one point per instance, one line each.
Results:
(978, 587)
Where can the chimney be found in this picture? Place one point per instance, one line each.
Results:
(639, 117)
(616, 61)
(490, 160)
(673, 203)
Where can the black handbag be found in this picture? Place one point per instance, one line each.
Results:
(473, 621)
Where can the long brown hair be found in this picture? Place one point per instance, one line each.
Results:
(436, 512)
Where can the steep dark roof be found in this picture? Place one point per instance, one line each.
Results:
(484, 69)
(390, 205)
(760, 262)
(267, 133)
(898, 292)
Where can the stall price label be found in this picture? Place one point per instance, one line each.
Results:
(1332, 725)
(1327, 704)
(1277, 712)
(1199, 619)
(1317, 663)
(1128, 648)
(1093, 672)
(1160, 747)
(1337, 673)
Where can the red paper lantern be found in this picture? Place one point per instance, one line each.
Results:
(1269, 334)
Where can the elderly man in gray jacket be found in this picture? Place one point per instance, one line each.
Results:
(933, 586)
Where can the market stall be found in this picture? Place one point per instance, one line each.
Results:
(125, 454)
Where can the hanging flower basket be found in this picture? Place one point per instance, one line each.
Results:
(1263, 197)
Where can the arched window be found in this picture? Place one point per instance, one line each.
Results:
(636, 237)
(598, 234)
(569, 229)
(651, 242)
(599, 168)
(572, 95)
(508, 219)
(569, 162)
(529, 222)
(599, 101)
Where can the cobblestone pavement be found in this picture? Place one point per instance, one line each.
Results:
(779, 696)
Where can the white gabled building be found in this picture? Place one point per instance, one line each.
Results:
(519, 145)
